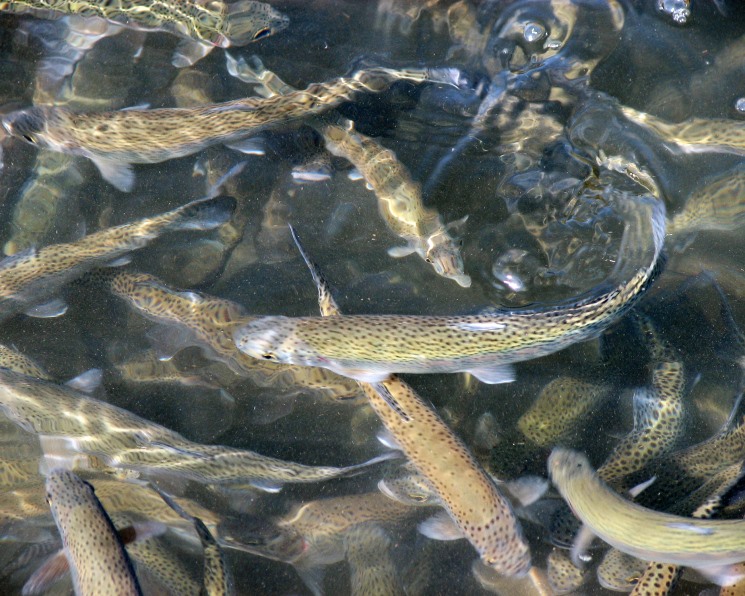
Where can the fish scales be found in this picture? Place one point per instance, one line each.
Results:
(469, 496)
(372, 570)
(98, 561)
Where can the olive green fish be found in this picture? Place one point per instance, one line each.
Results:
(399, 196)
(620, 572)
(368, 553)
(194, 319)
(479, 510)
(371, 347)
(704, 544)
(69, 422)
(98, 561)
(30, 280)
(115, 140)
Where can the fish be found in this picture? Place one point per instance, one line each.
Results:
(534, 583)
(201, 25)
(704, 544)
(695, 135)
(19, 362)
(98, 561)
(69, 422)
(115, 140)
(194, 319)
(658, 579)
(560, 408)
(564, 577)
(30, 280)
(399, 197)
(372, 570)
(371, 347)
(620, 572)
(474, 504)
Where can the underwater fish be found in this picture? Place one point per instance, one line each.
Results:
(194, 319)
(203, 25)
(704, 544)
(471, 499)
(116, 140)
(620, 572)
(98, 561)
(30, 280)
(564, 577)
(69, 423)
(399, 197)
(371, 347)
(372, 571)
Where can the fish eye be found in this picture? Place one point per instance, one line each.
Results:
(268, 356)
(428, 259)
(30, 139)
(262, 33)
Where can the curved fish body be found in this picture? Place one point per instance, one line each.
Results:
(371, 566)
(479, 510)
(115, 140)
(703, 544)
(30, 279)
(208, 322)
(70, 423)
(399, 196)
(217, 23)
(371, 347)
(98, 561)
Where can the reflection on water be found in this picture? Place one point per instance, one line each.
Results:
(450, 158)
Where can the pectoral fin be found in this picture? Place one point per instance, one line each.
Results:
(117, 173)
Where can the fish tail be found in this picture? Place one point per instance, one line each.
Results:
(358, 468)
(204, 214)
(249, 21)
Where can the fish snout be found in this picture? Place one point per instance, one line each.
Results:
(24, 124)
(259, 339)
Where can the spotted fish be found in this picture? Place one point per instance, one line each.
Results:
(399, 196)
(203, 25)
(481, 513)
(564, 577)
(620, 572)
(371, 347)
(29, 280)
(372, 570)
(98, 561)
(115, 140)
(704, 544)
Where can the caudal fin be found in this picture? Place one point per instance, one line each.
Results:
(204, 214)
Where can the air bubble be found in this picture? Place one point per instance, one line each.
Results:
(534, 32)
(740, 105)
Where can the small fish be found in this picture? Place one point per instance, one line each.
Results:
(475, 506)
(372, 570)
(695, 135)
(193, 319)
(620, 572)
(706, 545)
(30, 280)
(371, 347)
(116, 140)
(399, 197)
(561, 406)
(564, 577)
(98, 561)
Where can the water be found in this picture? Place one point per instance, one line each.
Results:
(516, 151)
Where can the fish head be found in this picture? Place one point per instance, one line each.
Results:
(263, 537)
(249, 21)
(26, 124)
(445, 258)
(273, 339)
(566, 464)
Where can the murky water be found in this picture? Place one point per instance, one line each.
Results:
(530, 158)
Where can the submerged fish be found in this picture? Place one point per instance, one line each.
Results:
(205, 24)
(98, 561)
(564, 577)
(371, 566)
(620, 572)
(399, 196)
(481, 513)
(116, 140)
(371, 347)
(29, 280)
(704, 544)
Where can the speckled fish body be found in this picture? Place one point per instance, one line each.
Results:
(480, 511)
(31, 278)
(216, 23)
(564, 577)
(694, 135)
(399, 196)
(98, 561)
(370, 347)
(699, 543)
(619, 572)
(83, 425)
(115, 140)
(209, 322)
(372, 570)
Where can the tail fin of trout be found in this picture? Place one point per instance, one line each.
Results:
(249, 21)
(204, 214)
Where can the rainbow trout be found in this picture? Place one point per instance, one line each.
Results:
(481, 513)
(202, 25)
(371, 347)
(30, 279)
(114, 141)
(98, 561)
(704, 544)
(399, 197)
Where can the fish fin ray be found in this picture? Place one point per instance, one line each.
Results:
(119, 174)
(495, 374)
(48, 310)
(440, 527)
